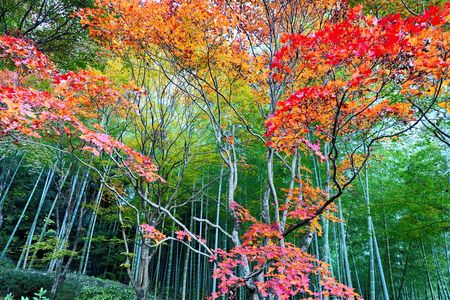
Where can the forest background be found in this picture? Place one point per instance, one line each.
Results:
(234, 149)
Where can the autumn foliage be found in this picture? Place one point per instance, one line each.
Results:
(286, 270)
(191, 33)
(346, 69)
(343, 74)
(69, 105)
(342, 71)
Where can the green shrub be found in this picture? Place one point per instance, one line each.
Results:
(22, 283)
(26, 283)
(6, 263)
(106, 293)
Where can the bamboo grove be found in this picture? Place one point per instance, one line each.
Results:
(224, 149)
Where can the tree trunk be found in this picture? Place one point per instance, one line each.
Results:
(365, 189)
(158, 268)
(66, 230)
(442, 282)
(400, 289)
(186, 260)
(199, 257)
(379, 263)
(169, 267)
(424, 259)
(29, 241)
(62, 226)
(87, 245)
(388, 248)
(336, 250)
(345, 260)
(47, 219)
(371, 264)
(11, 237)
(319, 285)
(141, 285)
(4, 192)
(360, 291)
(216, 239)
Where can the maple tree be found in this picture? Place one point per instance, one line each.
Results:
(343, 70)
(343, 65)
(30, 112)
(362, 60)
(37, 101)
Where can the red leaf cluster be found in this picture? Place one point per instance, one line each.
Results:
(344, 68)
(150, 232)
(286, 270)
(72, 103)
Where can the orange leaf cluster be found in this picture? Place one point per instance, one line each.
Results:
(304, 201)
(194, 34)
(150, 232)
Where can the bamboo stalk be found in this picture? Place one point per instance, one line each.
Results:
(11, 237)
